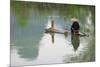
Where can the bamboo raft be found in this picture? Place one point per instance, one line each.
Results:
(53, 30)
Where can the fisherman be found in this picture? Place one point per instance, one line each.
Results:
(75, 33)
(75, 26)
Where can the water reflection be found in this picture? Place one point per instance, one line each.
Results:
(52, 36)
(75, 39)
(50, 52)
(27, 53)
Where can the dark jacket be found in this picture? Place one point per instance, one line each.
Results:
(75, 27)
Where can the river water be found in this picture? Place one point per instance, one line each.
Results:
(29, 43)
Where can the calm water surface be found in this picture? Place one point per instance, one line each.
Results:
(31, 46)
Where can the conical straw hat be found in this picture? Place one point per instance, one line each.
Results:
(74, 19)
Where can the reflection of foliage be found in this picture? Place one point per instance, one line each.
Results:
(22, 21)
(27, 49)
(21, 10)
(28, 52)
(89, 55)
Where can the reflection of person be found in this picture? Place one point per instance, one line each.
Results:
(75, 26)
(75, 40)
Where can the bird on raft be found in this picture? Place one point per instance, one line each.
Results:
(53, 30)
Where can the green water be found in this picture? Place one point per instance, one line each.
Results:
(31, 46)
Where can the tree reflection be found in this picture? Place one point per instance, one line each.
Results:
(27, 49)
(30, 53)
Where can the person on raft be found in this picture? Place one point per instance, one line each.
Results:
(75, 26)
